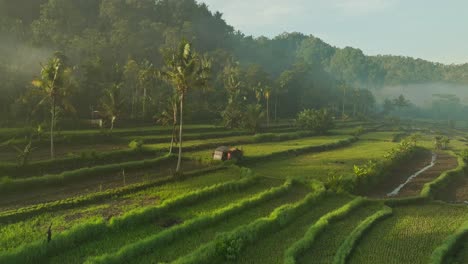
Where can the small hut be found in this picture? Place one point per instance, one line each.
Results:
(225, 153)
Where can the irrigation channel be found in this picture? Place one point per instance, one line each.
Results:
(396, 192)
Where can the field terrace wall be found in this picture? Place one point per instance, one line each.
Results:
(228, 245)
(9, 185)
(129, 252)
(448, 249)
(351, 241)
(307, 241)
(431, 189)
(24, 212)
(296, 152)
(40, 251)
(99, 158)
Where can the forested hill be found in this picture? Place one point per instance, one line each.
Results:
(99, 37)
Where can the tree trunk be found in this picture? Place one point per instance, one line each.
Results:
(276, 108)
(344, 98)
(52, 124)
(144, 103)
(112, 123)
(174, 126)
(179, 160)
(268, 111)
(133, 104)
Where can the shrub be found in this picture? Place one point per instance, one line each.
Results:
(319, 121)
(136, 144)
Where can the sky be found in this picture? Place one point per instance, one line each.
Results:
(435, 30)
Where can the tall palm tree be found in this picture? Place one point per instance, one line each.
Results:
(185, 70)
(53, 86)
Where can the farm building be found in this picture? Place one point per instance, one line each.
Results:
(225, 153)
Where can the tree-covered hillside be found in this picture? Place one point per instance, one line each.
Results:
(122, 43)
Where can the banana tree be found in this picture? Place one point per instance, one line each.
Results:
(184, 70)
(112, 103)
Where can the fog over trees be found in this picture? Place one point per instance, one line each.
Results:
(116, 48)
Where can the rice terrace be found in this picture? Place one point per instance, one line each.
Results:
(155, 132)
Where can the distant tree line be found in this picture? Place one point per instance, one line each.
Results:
(115, 55)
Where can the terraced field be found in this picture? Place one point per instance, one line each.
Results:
(273, 207)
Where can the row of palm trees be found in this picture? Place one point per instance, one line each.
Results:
(184, 69)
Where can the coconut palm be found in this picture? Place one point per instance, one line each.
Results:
(54, 86)
(185, 70)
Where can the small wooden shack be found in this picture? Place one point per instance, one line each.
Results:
(225, 153)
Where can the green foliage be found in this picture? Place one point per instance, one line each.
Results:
(441, 142)
(136, 145)
(319, 121)
(253, 118)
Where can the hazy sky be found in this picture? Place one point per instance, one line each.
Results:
(435, 30)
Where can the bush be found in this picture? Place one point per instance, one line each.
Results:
(319, 121)
(136, 144)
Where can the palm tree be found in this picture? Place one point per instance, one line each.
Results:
(185, 70)
(53, 86)
(112, 103)
(146, 78)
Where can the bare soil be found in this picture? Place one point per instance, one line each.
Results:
(400, 175)
(443, 163)
(456, 192)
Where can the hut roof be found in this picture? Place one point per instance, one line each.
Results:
(222, 149)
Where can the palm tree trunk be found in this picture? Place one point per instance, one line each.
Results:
(179, 160)
(268, 111)
(144, 103)
(174, 126)
(52, 124)
(344, 96)
(276, 108)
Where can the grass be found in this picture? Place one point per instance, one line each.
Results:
(410, 235)
(114, 241)
(319, 166)
(261, 149)
(14, 234)
(328, 242)
(184, 245)
(380, 136)
(271, 248)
